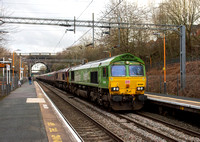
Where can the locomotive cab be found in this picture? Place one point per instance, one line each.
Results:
(127, 83)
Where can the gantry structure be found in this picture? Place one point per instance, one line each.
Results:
(180, 29)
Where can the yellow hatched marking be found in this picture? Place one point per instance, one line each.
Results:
(186, 101)
(56, 138)
(51, 124)
(53, 130)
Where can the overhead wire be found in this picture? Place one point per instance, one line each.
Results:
(77, 18)
(27, 3)
(59, 42)
(85, 9)
(36, 4)
(98, 21)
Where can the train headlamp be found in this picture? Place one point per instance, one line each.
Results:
(115, 89)
(127, 62)
(140, 88)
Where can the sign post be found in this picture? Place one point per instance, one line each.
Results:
(21, 74)
(5, 86)
(8, 78)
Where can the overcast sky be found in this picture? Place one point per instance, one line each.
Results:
(34, 38)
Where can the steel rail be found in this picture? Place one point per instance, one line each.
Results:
(136, 123)
(146, 128)
(174, 126)
(112, 135)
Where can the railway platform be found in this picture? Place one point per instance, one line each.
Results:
(28, 115)
(177, 102)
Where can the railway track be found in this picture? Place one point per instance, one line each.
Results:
(125, 120)
(139, 125)
(174, 126)
(150, 130)
(86, 127)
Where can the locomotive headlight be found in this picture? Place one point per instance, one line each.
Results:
(115, 89)
(140, 88)
(127, 62)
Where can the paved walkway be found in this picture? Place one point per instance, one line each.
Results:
(21, 121)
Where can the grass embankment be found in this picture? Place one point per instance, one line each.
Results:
(192, 89)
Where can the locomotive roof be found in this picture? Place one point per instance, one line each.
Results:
(107, 61)
(63, 70)
(47, 74)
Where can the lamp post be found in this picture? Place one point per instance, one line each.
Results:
(10, 60)
(14, 61)
(20, 63)
(13, 73)
(164, 68)
(108, 52)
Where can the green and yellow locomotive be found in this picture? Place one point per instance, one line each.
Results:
(117, 82)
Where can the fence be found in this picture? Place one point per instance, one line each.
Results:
(169, 62)
(6, 88)
(155, 84)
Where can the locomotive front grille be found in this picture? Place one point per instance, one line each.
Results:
(126, 85)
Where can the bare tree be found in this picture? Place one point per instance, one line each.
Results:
(182, 12)
(4, 30)
(126, 40)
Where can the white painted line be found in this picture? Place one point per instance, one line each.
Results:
(175, 103)
(173, 99)
(75, 134)
(35, 100)
(45, 106)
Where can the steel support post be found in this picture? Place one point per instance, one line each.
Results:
(119, 34)
(182, 57)
(93, 29)
(3, 83)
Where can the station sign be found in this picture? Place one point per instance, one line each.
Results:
(2, 65)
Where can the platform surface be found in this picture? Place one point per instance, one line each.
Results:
(27, 116)
(176, 100)
(21, 121)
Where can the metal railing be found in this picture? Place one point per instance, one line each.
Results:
(6, 88)
(155, 84)
(168, 62)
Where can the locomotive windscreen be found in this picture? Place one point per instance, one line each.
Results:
(136, 70)
(118, 70)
